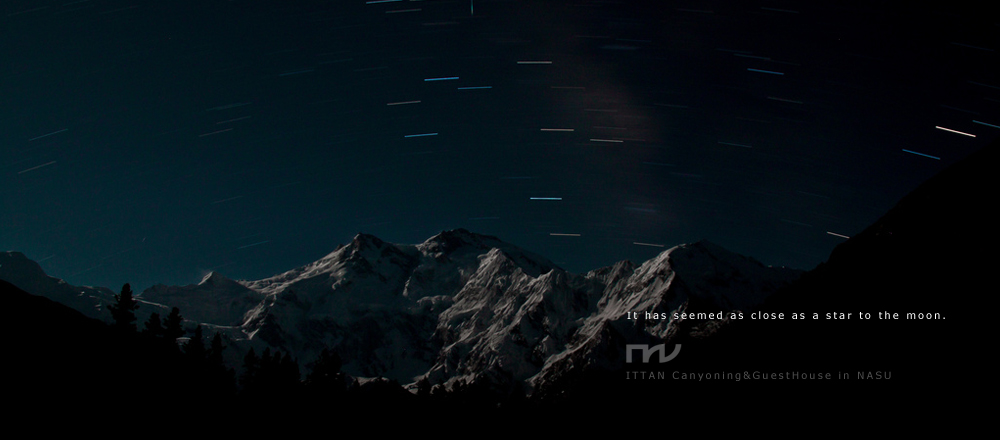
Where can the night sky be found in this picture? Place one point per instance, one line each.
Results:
(152, 142)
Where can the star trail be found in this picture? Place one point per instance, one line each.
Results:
(152, 142)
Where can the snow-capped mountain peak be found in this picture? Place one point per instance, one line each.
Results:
(463, 305)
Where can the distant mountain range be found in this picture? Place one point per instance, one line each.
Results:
(465, 308)
(459, 306)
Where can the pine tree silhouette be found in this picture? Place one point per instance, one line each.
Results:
(423, 387)
(325, 379)
(195, 347)
(172, 328)
(215, 353)
(123, 310)
(248, 380)
(221, 378)
(154, 327)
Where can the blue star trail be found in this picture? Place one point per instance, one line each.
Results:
(258, 136)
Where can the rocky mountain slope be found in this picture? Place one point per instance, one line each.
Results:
(467, 307)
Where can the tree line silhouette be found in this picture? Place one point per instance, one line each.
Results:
(63, 360)
(192, 369)
(68, 363)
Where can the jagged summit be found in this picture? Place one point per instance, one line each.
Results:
(449, 241)
(705, 244)
(13, 262)
(215, 278)
(26, 274)
(459, 243)
(710, 249)
(462, 305)
(13, 255)
(362, 240)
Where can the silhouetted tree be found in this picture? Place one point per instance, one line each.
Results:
(219, 379)
(269, 376)
(154, 328)
(288, 371)
(195, 347)
(251, 364)
(172, 328)
(325, 380)
(381, 393)
(215, 352)
(280, 373)
(423, 387)
(264, 366)
(123, 310)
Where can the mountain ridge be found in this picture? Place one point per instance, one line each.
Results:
(463, 307)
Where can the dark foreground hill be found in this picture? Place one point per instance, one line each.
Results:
(61, 363)
(900, 313)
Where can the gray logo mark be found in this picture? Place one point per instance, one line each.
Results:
(647, 352)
